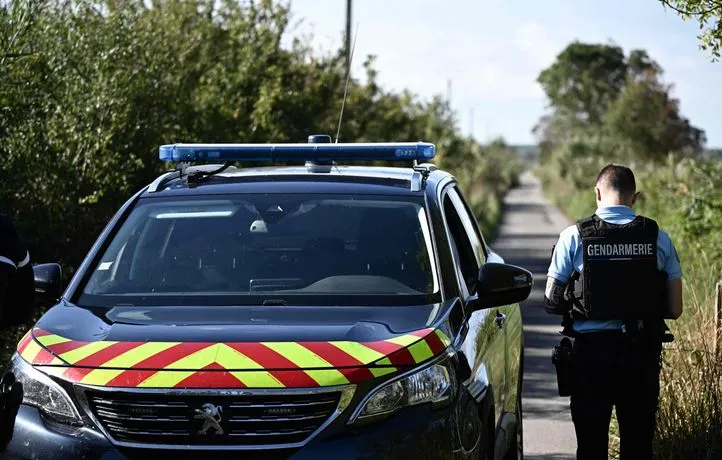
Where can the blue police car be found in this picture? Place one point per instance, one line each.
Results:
(321, 310)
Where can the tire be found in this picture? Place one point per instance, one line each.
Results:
(487, 432)
(516, 452)
(487, 447)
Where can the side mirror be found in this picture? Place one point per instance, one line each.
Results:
(48, 283)
(502, 284)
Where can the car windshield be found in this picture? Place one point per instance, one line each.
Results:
(253, 249)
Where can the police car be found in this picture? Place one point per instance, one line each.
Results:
(313, 311)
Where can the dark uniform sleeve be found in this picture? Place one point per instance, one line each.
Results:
(6, 272)
(17, 291)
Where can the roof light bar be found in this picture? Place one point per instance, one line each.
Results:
(320, 152)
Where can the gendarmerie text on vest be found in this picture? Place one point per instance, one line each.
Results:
(633, 249)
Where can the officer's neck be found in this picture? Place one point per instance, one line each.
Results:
(614, 202)
(608, 197)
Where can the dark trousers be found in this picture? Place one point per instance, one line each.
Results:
(610, 370)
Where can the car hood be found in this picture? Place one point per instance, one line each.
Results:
(233, 347)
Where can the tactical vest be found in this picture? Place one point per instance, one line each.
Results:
(620, 279)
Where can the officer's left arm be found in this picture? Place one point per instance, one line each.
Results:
(673, 269)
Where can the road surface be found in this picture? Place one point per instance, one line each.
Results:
(529, 229)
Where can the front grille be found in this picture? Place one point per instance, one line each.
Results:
(246, 420)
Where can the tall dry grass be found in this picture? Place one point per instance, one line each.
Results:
(689, 422)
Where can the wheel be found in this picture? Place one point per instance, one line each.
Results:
(517, 452)
(487, 447)
(486, 436)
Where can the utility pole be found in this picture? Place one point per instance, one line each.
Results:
(348, 35)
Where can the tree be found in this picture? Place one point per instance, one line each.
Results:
(645, 121)
(612, 103)
(584, 79)
(708, 13)
(91, 88)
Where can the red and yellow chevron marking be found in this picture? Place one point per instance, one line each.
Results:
(226, 364)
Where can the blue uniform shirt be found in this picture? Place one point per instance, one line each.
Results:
(568, 257)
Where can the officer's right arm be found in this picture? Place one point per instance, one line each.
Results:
(560, 270)
(554, 301)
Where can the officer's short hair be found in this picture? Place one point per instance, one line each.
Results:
(619, 178)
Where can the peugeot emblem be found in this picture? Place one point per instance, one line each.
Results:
(211, 416)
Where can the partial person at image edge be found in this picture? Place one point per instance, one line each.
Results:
(630, 279)
(17, 301)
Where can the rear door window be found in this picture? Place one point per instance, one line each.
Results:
(470, 225)
(461, 247)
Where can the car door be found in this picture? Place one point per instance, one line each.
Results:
(484, 343)
(507, 319)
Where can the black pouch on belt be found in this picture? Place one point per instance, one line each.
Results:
(562, 358)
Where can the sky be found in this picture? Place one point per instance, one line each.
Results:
(487, 54)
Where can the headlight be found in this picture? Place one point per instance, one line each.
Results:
(42, 392)
(435, 384)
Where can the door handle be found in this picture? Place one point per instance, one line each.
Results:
(500, 318)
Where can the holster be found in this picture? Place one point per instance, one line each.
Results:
(562, 358)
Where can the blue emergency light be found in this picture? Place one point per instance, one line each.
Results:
(313, 152)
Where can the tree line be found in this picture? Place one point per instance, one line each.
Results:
(90, 89)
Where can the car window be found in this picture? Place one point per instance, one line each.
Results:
(461, 246)
(256, 245)
(470, 225)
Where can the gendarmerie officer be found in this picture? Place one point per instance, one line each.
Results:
(16, 277)
(629, 275)
(16, 307)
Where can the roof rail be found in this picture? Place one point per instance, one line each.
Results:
(163, 179)
(421, 173)
(191, 173)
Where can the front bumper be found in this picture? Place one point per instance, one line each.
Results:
(413, 433)
(34, 438)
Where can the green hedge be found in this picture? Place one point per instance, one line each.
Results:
(90, 89)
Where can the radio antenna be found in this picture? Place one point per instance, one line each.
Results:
(345, 89)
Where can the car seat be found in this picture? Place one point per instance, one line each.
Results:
(388, 246)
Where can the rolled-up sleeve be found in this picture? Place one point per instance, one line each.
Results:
(562, 261)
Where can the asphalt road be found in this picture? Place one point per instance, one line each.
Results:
(529, 229)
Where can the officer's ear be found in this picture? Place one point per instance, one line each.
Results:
(636, 197)
(598, 193)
